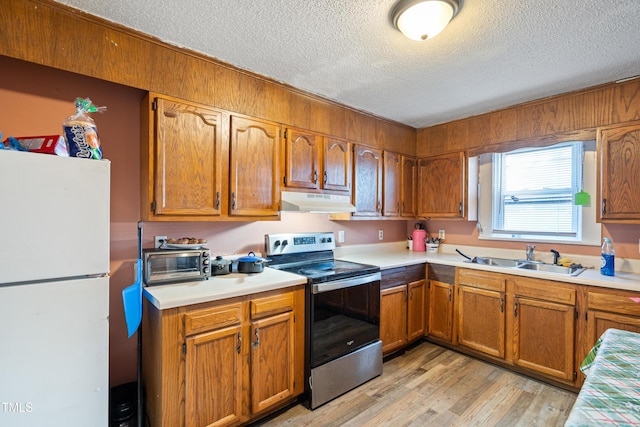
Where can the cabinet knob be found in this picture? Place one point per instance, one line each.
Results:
(315, 177)
(325, 178)
(233, 200)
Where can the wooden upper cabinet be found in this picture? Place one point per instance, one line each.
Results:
(619, 180)
(441, 184)
(302, 161)
(367, 181)
(391, 181)
(181, 160)
(316, 163)
(336, 162)
(254, 185)
(408, 175)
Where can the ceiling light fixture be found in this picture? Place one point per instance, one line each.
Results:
(423, 19)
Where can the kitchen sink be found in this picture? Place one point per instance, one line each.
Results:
(528, 265)
(552, 268)
(496, 262)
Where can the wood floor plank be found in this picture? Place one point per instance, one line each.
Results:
(433, 386)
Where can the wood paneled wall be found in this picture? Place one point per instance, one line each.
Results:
(57, 36)
(574, 115)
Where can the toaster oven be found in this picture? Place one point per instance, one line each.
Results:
(162, 266)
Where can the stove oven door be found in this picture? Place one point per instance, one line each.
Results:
(344, 317)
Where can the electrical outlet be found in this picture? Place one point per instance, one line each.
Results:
(341, 236)
(159, 240)
(380, 235)
(441, 234)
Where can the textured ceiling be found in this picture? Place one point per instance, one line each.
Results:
(493, 54)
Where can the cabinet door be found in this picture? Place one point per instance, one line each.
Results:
(391, 184)
(337, 165)
(187, 168)
(543, 337)
(255, 167)
(481, 320)
(301, 159)
(619, 162)
(408, 173)
(441, 310)
(599, 321)
(441, 183)
(367, 181)
(272, 361)
(416, 310)
(213, 363)
(393, 318)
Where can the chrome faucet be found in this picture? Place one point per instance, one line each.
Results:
(530, 249)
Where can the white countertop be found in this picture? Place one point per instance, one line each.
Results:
(220, 287)
(392, 255)
(384, 255)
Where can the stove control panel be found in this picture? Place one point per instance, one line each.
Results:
(291, 243)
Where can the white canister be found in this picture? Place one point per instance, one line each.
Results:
(432, 248)
(410, 244)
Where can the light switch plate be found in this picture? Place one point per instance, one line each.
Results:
(341, 236)
(380, 235)
(441, 234)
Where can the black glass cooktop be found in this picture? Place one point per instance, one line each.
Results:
(328, 270)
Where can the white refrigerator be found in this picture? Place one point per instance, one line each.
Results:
(54, 290)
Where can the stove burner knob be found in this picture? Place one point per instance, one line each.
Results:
(285, 243)
(276, 243)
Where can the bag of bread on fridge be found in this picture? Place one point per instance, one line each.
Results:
(80, 132)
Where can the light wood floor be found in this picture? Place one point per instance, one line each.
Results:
(433, 386)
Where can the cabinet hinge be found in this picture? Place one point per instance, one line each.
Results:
(153, 206)
(586, 316)
(284, 179)
(285, 134)
(576, 310)
(154, 105)
(575, 375)
(184, 348)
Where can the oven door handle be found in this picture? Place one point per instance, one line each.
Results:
(344, 283)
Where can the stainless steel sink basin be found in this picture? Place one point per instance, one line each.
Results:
(496, 262)
(552, 268)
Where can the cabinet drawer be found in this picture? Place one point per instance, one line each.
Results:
(269, 306)
(481, 279)
(207, 319)
(442, 273)
(545, 290)
(415, 272)
(392, 277)
(614, 303)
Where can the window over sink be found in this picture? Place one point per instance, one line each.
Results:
(528, 194)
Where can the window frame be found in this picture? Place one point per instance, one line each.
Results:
(587, 230)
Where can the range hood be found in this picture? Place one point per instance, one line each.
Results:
(316, 203)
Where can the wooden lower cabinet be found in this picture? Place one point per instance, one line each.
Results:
(416, 313)
(441, 310)
(481, 311)
(441, 285)
(393, 318)
(213, 362)
(544, 326)
(223, 363)
(272, 356)
(402, 307)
